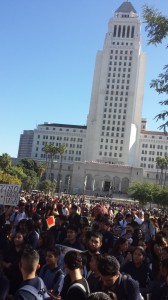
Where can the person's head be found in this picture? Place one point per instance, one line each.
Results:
(95, 242)
(29, 225)
(73, 260)
(100, 296)
(72, 232)
(138, 234)
(73, 209)
(19, 239)
(21, 207)
(165, 229)
(138, 255)
(37, 218)
(121, 245)
(52, 257)
(21, 226)
(104, 224)
(146, 216)
(29, 262)
(160, 240)
(117, 230)
(128, 217)
(142, 243)
(165, 253)
(109, 269)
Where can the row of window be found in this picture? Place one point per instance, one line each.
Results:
(121, 52)
(154, 137)
(113, 128)
(61, 129)
(69, 158)
(119, 69)
(155, 146)
(154, 153)
(111, 141)
(60, 138)
(122, 44)
(112, 134)
(124, 31)
(110, 154)
(111, 147)
(149, 166)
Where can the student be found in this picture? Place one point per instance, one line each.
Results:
(101, 296)
(122, 285)
(138, 268)
(29, 264)
(77, 288)
(51, 274)
(93, 247)
(161, 292)
(71, 239)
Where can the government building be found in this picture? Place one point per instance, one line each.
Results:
(115, 147)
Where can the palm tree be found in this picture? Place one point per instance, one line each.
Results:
(41, 170)
(162, 163)
(53, 150)
(61, 151)
(46, 150)
(50, 151)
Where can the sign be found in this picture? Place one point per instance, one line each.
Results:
(50, 221)
(9, 194)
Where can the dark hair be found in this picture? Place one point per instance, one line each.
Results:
(164, 264)
(99, 296)
(72, 227)
(73, 260)
(141, 249)
(54, 250)
(29, 225)
(122, 240)
(96, 234)
(29, 259)
(108, 265)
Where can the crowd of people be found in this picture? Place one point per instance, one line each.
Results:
(96, 251)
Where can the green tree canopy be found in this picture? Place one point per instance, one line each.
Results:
(157, 31)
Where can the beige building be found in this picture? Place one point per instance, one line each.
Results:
(115, 148)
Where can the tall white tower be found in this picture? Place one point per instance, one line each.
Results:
(114, 120)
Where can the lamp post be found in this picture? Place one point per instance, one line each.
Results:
(60, 183)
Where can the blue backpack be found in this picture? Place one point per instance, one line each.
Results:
(38, 294)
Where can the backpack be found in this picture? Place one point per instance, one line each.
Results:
(38, 294)
(124, 280)
(77, 284)
(57, 274)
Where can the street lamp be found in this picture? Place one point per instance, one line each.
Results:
(60, 186)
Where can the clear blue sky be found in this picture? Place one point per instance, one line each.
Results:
(47, 57)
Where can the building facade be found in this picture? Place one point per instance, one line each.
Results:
(114, 120)
(115, 147)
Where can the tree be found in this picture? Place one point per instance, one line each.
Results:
(28, 164)
(50, 152)
(162, 163)
(157, 28)
(41, 170)
(46, 186)
(9, 179)
(61, 151)
(142, 191)
(5, 162)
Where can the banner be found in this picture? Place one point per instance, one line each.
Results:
(9, 194)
